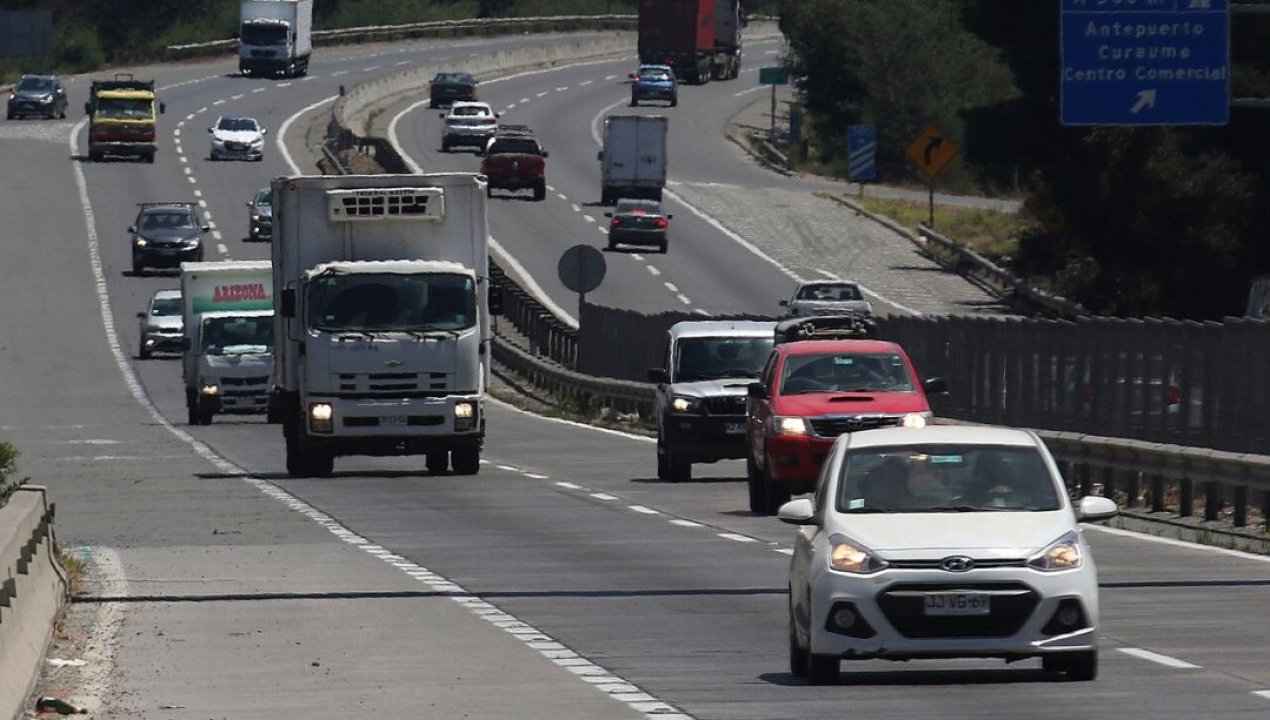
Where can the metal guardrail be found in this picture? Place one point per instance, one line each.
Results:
(377, 33)
(970, 261)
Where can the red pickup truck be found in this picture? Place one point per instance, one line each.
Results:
(515, 161)
(825, 377)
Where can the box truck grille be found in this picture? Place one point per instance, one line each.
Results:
(386, 204)
(390, 383)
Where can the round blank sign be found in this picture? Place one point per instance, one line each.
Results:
(582, 268)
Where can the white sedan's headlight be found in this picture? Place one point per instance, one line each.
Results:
(1062, 554)
(258, 142)
(846, 555)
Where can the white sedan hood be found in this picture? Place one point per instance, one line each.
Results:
(933, 536)
(239, 136)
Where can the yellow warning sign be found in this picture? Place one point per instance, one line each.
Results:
(931, 151)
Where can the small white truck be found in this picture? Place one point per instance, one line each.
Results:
(275, 37)
(227, 360)
(383, 318)
(633, 157)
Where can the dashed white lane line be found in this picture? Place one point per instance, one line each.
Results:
(737, 538)
(217, 235)
(536, 476)
(211, 224)
(177, 132)
(562, 196)
(199, 194)
(785, 551)
(672, 287)
(638, 257)
(827, 274)
(219, 102)
(645, 510)
(702, 311)
(190, 116)
(222, 249)
(588, 218)
(686, 523)
(576, 207)
(337, 73)
(191, 179)
(568, 485)
(239, 96)
(524, 100)
(610, 77)
(562, 89)
(584, 83)
(1262, 694)
(258, 90)
(183, 159)
(652, 270)
(511, 105)
(399, 63)
(747, 92)
(370, 69)
(1164, 660)
(603, 496)
(508, 468)
(283, 84)
(544, 93)
(683, 299)
(201, 202)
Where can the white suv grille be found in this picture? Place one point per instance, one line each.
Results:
(426, 203)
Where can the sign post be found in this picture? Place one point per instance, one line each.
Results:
(581, 269)
(932, 152)
(1147, 62)
(773, 76)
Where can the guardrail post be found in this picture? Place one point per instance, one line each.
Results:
(1157, 493)
(1133, 488)
(1109, 482)
(1186, 497)
(1086, 474)
(1241, 506)
(1212, 500)
(1265, 510)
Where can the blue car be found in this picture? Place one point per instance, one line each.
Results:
(654, 82)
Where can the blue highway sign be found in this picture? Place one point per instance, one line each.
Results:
(862, 150)
(1145, 62)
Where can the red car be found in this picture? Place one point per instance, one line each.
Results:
(515, 161)
(825, 377)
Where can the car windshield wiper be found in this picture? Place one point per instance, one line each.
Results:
(965, 508)
(870, 510)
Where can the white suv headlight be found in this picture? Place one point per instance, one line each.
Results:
(846, 555)
(681, 404)
(1062, 554)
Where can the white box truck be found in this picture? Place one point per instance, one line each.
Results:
(383, 318)
(275, 37)
(227, 360)
(633, 157)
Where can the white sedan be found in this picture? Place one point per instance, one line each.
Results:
(942, 542)
(237, 137)
(468, 123)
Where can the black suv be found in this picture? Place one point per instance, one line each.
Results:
(701, 391)
(38, 95)
(165, 235)
(446, 87)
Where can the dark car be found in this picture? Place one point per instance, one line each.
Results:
(638, 222)
(654, 82)
(260, 216)
(38, 95)
(447, 87)
(166, 235)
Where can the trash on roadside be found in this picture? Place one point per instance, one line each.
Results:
(59, 706)
(64, 662)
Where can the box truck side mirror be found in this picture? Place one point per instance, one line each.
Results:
(288, 302)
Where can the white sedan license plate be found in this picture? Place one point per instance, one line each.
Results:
(735, 428)
(957, 604)
(393, 420)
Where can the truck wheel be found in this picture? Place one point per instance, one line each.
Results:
(765, 496)
(634, 102)
(205, 412)
(661, 247)
(437, 462)
(466, 461)
(143, 352)
(136, 266)
(489, 191)
(674, 101)
(191, 408)
(149, 157)
(663, 467)
(540, 190)
(93, 155)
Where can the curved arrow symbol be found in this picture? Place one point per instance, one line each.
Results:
(931, 146)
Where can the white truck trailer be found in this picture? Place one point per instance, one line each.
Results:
(383, 318)
(275, 37)
(633, 157)
(227, 360)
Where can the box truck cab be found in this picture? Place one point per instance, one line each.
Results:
(122, 118)
(227, 358)
(275, 37)
(383, 318)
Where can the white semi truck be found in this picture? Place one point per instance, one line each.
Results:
(383, 318)
(227, 360)
(633, 157)
(275, 37)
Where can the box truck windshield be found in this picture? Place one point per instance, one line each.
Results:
(237, 336)
(388, 302)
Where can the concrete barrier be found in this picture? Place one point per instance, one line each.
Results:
(32, 590)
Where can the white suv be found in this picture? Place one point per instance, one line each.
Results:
(942, 542)
(468, 123)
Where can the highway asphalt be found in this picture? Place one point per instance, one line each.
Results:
(564, 580)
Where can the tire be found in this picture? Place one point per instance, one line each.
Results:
(205, 413)
(677, 471)
(634, 102)
(799, 659)
(445, 147)
(661, 247)
(93, 155)
(149, 158)
(437, 462)
(8, 116)
(657, 195)
(663, 467)
(755, 485)
(137, 266)
(674, 101)
(766, 496)
(143, 352)
(466, 461)
(489, 191)
(823, 669)
(1075, 666)
(191, 408)
(540, 191)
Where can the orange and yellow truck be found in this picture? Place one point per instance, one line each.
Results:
(122, 118)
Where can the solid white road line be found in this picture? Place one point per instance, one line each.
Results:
(1154, 657)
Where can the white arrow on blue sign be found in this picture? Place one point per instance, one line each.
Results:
(1145, 62)
(862, 149)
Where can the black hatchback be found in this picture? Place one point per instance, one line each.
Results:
(638, 222)
(447, 87)
(38, 95)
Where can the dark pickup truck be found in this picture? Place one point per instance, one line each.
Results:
(515, 161)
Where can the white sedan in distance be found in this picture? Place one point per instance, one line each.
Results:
(237, 137)
(942, 542)
(468, 123)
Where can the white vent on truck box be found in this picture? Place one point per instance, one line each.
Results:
(404, 203)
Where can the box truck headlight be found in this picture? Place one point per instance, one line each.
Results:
(320, 418)
(140, 242)
(209, 388)
(464, 416)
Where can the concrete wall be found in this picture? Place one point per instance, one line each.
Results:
(32, 590)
